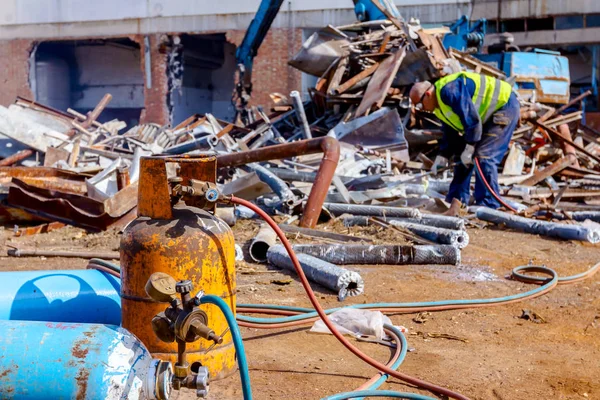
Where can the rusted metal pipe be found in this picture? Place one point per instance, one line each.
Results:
(569, 150)
(106, 255)
(122, 178)
(330, 148)
(15, 158)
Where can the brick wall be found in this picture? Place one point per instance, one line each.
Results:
(155, 98)
(14, 70)
(270, 74)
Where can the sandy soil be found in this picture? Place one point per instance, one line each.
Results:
(503, 357)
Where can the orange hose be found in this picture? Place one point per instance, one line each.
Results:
(369, 360)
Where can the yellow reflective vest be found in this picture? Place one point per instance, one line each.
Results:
(490, 95)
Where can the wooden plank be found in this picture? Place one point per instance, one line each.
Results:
(356, 78)
(225, 130)
(550, 170)
(556, 135)
(338, 75)
(380, 82)
(385, 41)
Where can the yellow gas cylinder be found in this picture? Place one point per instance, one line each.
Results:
(186, 242)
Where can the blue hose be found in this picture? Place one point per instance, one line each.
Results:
(237, 341)
(309, 313)
(379, 393)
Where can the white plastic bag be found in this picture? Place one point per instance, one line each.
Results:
(354, 321)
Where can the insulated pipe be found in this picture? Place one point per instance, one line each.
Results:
(265, 238)
(61, 296)
(458, 238)
(277, 185)
(544, 228)
(301, 114)
(348, 254)
(439, 221)
(330, 148)
(581, 216)
(341, 280)
(50, 360)
(373, 211)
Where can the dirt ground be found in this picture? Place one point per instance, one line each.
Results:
(502, 356)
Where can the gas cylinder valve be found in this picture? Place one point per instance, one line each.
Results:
(199, 193)
(182, 322)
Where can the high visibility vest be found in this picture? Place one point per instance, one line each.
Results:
(490, 95)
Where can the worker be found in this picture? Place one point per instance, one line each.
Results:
(479, 115)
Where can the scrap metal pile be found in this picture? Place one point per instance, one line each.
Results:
(354, 152)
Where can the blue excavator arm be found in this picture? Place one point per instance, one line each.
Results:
(245, 53)
(365, 10)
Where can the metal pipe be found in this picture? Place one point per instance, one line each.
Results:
(341, 280)
(290, 175)
(372, 211)
(265, 238)
(300, 113)
(15, 158)
(330, 148)
(458, 238)
(279, 187)
(107, 255)
(60, 296)
(49, 360)
(544, 228)
(227, 214)
(354, 254)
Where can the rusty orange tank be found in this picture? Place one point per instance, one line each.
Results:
(187, 243)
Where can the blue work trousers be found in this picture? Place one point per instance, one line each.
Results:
(490, 151)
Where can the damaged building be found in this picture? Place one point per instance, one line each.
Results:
(163, 61)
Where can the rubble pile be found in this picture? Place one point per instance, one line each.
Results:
(355, 151)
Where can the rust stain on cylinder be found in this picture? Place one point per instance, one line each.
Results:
(194, 245)
(82, 383)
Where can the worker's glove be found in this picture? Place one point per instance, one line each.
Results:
(467, 155)
(439, 163)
